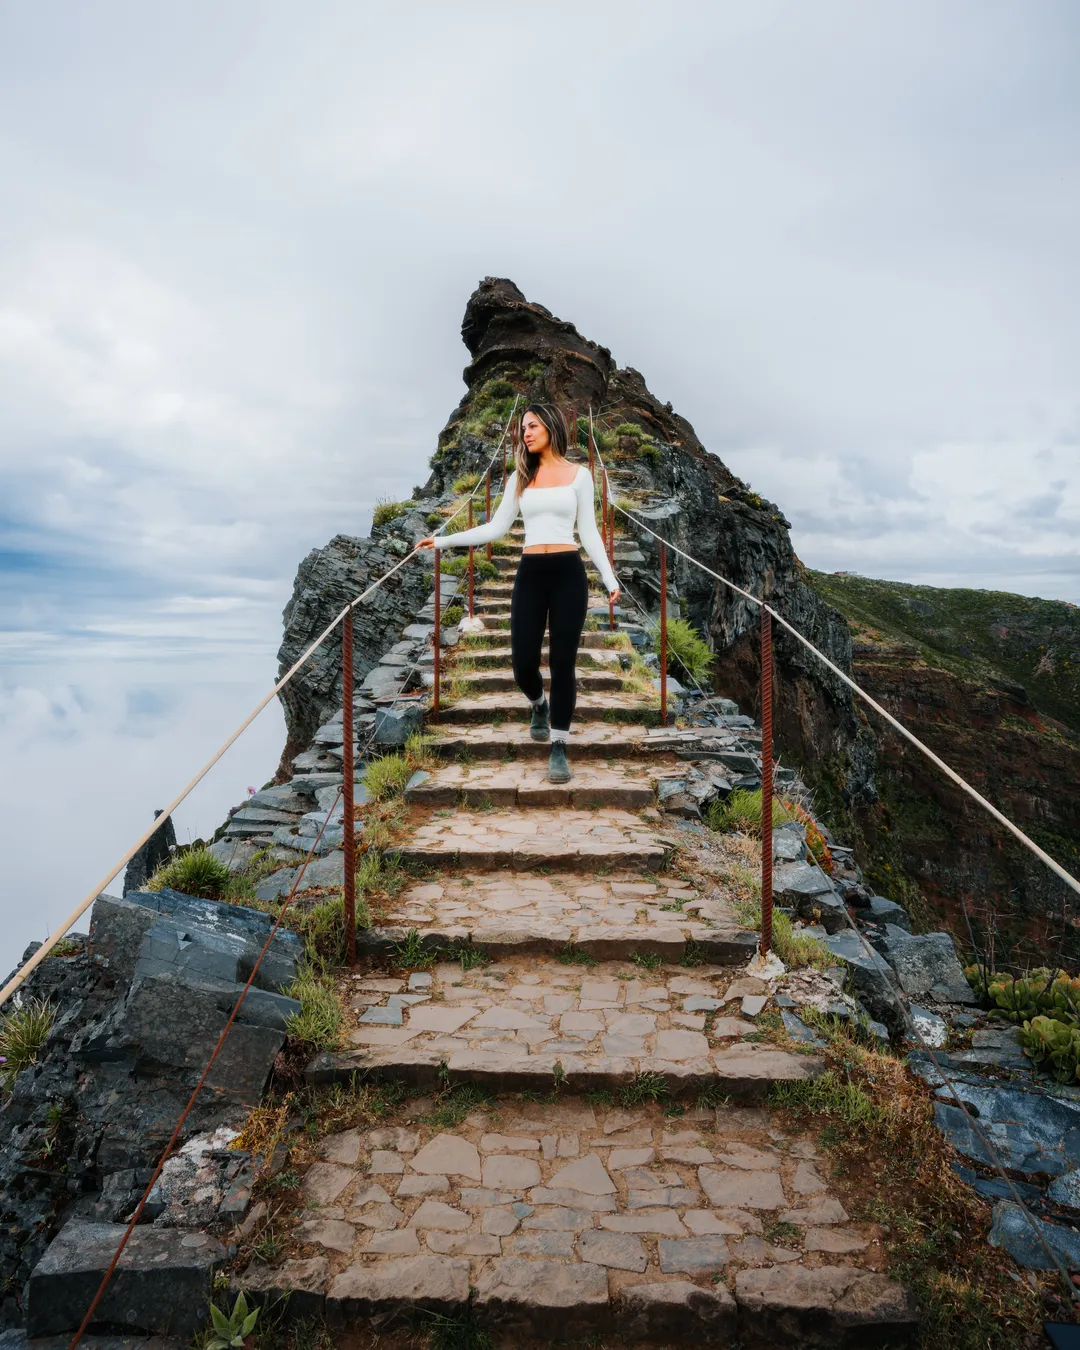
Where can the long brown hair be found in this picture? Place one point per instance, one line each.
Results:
(525, 463)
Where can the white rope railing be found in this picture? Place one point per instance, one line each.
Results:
(894, 722)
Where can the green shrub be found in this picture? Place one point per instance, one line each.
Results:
(465, 483)
(22, 1034)
(319, 1021)
(650, 453)
(386, 777)
(688, 654)
(1039, 992)
(741, 810)
(433, 519)
(194, 872)
(451, 615)
(482, 569)
(387, 510)
(631, 429)
(1053, 1046)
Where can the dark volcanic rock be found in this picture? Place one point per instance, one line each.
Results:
(162, 1282)
(325, 581)
(157, 850)
(138, 1008)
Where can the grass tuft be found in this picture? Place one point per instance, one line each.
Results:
(23, 1033)
(320, 1019)
(574, 956)
(387, 510)
(644, 1087)
(689, 655)
(412, 954)
(194, 872)
(386, 776)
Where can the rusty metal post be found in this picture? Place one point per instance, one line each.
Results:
(438, 639)
(487, 505)
(611, 559)
(663, 635)
(471, 569)
(766, 780)
(592, 446)
(348, 767)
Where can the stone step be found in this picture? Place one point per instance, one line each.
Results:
(492, 681)
(588, 740)
(589, 708)
(499, 604)
(604, 1024)
(595, 783)
(499, 621)
(594, 652)
(614, 916)
(568, 1221)
(566, 839)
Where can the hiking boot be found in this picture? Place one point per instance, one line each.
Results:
(539, 725)
(558, 769)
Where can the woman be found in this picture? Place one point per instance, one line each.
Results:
(551, 589)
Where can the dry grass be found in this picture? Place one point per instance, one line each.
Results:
(894, 1168)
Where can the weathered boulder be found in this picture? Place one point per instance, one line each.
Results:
(1026, 1239)
(1031, 1131)
(927, 966)
(875, 982)
(394, 726)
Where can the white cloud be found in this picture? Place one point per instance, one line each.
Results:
(840, 238)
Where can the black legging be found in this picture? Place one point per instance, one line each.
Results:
(551, 590)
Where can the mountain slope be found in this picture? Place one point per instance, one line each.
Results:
(991, 682)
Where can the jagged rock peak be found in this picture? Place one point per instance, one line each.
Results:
(545, 358)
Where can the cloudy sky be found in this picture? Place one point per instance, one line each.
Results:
(237, 239)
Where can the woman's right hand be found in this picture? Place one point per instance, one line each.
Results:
(429, 542)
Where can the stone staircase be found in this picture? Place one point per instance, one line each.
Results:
(626, 1176)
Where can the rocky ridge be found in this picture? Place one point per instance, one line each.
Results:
(662, 1227)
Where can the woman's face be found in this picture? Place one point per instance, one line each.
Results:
(534, 434)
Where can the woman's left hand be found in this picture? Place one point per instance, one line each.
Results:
(613, 596)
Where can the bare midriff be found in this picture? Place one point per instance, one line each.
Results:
(551, 548)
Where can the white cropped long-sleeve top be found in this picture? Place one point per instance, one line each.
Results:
(550, 514)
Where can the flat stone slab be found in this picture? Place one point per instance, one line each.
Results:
(677, 1312)
(162, 1283)
(596, 783)
(433, 1283)
(544, 1296)
(1031, 1131)
(827, 1306)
